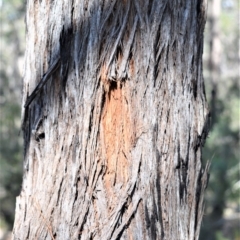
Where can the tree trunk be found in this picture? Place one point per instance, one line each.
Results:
(215, 49)
(113, 140)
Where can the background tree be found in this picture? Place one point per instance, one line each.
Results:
(222, 84)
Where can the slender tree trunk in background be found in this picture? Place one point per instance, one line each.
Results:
(214, 67)
(113, 141)
(215, 52)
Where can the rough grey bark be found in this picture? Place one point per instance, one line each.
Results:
(113, 141)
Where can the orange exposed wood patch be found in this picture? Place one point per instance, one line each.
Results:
(117, 131)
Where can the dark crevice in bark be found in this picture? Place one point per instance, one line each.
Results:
(157, 56)
(147, 218)
(158, 186)
(59, 191)
(200, 139)
(40, 136)
(25, 212)
(153, 228)
(76, 223)
(149, 8)
(27, 129)
(102, 106)
(155, 216)
(198, 196)
(150, 222)
(188, 147)
(197, 142)
(119, 52)
(66, 37)
(76, 195)
(28, 231)
(119, 235)
(90, 122)
(112, 86)
(166, 57)
(168, 114)
(178, 165)
(195, 88)
(183, 180)
(205, 130)
(84, 219)
(182, 167)
(73, 23)
(52, 211)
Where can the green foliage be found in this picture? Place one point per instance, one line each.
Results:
(219, 236)
(10, 161)
(12, 48)
(222, 146)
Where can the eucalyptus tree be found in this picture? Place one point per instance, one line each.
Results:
(114, 117)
